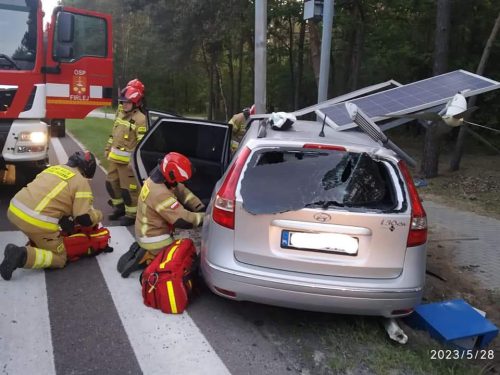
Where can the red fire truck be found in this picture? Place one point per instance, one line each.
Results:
(64, 72)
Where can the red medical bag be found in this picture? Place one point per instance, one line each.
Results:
(167, 281)
(86, 242)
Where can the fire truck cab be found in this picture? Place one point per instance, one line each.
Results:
(64, 72)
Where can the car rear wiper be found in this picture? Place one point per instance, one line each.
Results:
(9, 60)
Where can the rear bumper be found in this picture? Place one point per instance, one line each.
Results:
(334, 295)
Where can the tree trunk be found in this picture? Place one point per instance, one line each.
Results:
(290, 60)
(240, 73)
(442, 37)
(359, 37)
(430, 157)
(459, 146)
(211, 98)
(210, 73)
(231, 81)
(315, 46)
(300, 66)
(221, 93)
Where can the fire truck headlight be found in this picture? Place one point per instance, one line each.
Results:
(34, 137)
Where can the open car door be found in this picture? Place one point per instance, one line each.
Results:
(155, 115)
(205, 143)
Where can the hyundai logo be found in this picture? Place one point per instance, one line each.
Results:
(322, 217)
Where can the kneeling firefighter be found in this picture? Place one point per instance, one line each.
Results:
(161, 209)
(128, 129)
(59, 199)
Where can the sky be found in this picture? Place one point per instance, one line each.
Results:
(48, 6)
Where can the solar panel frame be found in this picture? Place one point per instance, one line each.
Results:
(348, 96)
(409, 98)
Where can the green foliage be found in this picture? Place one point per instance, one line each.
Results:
(197, 55)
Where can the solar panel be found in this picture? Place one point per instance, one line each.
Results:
(410, 98)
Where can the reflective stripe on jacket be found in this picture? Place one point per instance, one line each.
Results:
(158, 208)
(56, 192)
(238, 123)
(119, 155)
(156, 242)
(32, 217)
(128, 130)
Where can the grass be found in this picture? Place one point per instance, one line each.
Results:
(343, 344)
(93, 133)
(360, 345)
(474, 187)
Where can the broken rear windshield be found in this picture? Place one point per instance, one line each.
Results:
(287, 180)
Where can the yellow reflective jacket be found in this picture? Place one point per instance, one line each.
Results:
(238, 123)
(128, 130)
(56, 192)
(158, 208)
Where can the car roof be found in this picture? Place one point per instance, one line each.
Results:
(308, 132)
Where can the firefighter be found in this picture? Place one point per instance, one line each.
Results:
(164, 204)
(60, 196)
(238, 123)
(129, 128)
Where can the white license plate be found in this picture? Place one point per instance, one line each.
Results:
(326, 242)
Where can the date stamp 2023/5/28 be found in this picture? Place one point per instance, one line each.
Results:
(487, 354)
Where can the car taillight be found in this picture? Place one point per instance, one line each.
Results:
(223, 212)
(324, 147)
(418, 226)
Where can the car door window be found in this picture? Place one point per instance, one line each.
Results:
(206, 144)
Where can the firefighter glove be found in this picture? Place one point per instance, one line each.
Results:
(67, 224)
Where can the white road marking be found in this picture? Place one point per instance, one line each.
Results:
(61, 154)
(163, 344)
(25, 339)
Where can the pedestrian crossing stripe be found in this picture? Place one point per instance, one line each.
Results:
(157, 339)
(25, 341)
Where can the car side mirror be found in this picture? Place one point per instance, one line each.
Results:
(65, 27)
(63, 52)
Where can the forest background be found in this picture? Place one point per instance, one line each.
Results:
(196, 57)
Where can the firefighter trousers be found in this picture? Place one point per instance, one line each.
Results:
(122, 186)
(45, 249)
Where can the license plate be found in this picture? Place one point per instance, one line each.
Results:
(324, 242)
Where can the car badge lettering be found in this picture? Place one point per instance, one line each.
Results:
(322, 217)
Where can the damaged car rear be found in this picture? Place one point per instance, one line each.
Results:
(330, 224)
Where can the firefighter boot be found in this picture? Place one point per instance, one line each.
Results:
(125, 221)
(14, 257)
(134, 259)
(118, 212)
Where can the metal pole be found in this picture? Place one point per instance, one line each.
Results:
(260, 55)
(326, 41)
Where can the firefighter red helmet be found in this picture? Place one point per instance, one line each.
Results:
(175, 168)
(131, 94)
(137, 84)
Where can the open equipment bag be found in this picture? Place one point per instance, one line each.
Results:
(87, 242)
(167, 280)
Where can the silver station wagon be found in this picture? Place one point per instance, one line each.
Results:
(328, 223)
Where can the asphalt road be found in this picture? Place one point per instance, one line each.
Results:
(86, 319)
